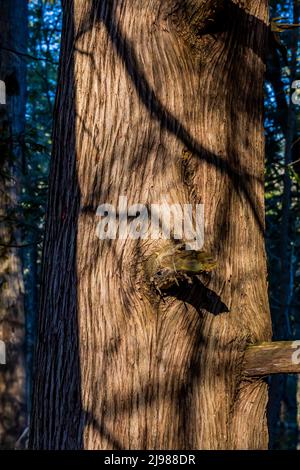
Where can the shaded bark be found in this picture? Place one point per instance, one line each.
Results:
(144, 113)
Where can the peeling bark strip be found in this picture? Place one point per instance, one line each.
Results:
(272, 358)
(140, 115)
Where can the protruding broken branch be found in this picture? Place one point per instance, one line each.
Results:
(172, 264)
(272, 358)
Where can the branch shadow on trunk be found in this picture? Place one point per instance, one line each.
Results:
(104, 13)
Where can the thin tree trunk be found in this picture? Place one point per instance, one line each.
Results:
(31, 307)
(298, 411)
(13, 35)
(152, 105)
(282, 326)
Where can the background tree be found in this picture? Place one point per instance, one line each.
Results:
(282, 208)
(25, 157)
(13, 43)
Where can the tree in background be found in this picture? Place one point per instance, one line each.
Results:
(282, 209)
(13, 44)
(26, 150)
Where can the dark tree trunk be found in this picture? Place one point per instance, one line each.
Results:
(155, 99)
(281, 320)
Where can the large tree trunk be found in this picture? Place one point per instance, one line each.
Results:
(159, 99)
(13, 39)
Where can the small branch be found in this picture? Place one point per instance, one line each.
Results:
(281, 357)
(27, 56)
(25, 245)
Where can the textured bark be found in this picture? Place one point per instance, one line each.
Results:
(194, 18)
(141, 112)
(13, 36)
